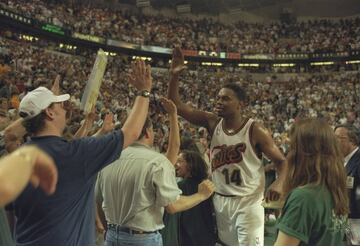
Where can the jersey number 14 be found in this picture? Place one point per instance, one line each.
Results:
(232, 176)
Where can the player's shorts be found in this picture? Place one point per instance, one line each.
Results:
(240, 221)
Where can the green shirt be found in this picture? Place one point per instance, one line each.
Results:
(309, 216)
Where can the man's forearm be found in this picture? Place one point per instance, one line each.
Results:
(135, 121)
(16, 128)
(82, 131)
(174, 139)
(185, 203)
(12, 183)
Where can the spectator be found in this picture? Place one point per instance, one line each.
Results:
(349, 142)
(316, 173)
(67, 217)
(145, 182)
(196, 226)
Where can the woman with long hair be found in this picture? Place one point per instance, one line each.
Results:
(316, 207)
(196, 226)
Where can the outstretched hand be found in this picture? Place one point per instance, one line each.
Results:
(140, 76)
(108, 124)
(168, 105)
(177, 62)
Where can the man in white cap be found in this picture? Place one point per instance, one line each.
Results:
(68, 216)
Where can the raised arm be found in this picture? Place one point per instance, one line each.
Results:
(174, 135)
(263, 140)
(141, 79)
(194, 116)
(56, 85)
(13, 135)
(86, 126)
(107, 126)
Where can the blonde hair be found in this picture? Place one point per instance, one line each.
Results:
(315, 158)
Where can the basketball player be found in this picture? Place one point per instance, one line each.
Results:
(235, 153)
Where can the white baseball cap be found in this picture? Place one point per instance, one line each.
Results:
(37, 100)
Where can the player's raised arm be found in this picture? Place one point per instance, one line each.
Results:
(191, 114)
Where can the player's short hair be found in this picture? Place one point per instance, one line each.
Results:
(239, 92)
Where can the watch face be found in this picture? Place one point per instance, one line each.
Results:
(145, 93)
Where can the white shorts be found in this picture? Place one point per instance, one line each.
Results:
(240, 221)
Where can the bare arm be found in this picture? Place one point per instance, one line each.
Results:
(205, 190)
(141, 79)
(194, 116)
(174, 135)
(286, 240)
(56, 85)
(13, 134)
(83, 130)
(100, 221)
(263, 139)
(85, 127)
(27, 164)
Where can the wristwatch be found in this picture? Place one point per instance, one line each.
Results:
(143, 93)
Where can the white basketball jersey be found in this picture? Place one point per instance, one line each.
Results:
(236, 169)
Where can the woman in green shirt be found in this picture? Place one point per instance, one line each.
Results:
(317, 204)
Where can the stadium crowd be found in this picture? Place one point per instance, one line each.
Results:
(274, 103)
(276, 100)
(204, 34)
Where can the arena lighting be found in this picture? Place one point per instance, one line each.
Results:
(212, 64)
(248, 65)
(67, 46)
(28, 38)
(321, 63)
(353, 62)
(284, 65)
(185, 62)
(110, 53)
(142, 58)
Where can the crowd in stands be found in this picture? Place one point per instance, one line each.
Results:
(276, 100)
(275, 103)
(204, 34)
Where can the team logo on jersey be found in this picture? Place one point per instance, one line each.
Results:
(225, 155)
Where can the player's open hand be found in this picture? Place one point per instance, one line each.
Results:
(177, 62)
